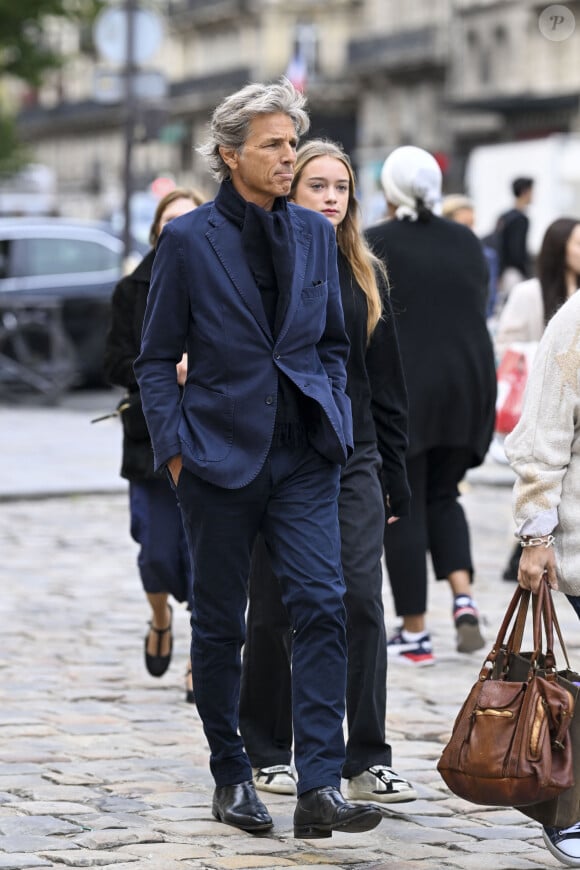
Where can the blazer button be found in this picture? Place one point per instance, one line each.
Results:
(276, 356)
(269, 400)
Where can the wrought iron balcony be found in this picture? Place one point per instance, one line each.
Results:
(407, 49)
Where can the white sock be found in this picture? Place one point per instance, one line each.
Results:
(410, 636)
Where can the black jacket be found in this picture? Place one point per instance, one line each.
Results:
(512, 234)
(375, 385)
(438, 280)
(122, 348)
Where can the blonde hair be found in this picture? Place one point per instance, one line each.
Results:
(453, 202)
(364, 264)
(190, 193)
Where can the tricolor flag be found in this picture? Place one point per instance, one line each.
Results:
(297, 71)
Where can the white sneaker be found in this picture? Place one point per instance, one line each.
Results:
(564, 844)
(380, 784)
(279, 778)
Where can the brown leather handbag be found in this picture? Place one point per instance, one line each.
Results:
(510, 744)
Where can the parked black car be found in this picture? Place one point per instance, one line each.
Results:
(72, 266)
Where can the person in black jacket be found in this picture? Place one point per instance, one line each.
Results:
(511, 239)
(163, 559)
(324, 182)
(438, 278)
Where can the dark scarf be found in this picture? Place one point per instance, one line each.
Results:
(268, 242)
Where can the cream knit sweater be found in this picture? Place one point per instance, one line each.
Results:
(544, 447)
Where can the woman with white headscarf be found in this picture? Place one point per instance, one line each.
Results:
(438, 278)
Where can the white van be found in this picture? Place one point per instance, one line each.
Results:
(554, 164)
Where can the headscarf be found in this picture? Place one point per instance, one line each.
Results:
(411, 179)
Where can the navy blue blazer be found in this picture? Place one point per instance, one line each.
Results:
(204, 299)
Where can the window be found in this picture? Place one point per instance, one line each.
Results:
(63, 256)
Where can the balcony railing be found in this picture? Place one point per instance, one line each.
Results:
(420, 47)
(200, 11)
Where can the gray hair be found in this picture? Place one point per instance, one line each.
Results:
(231, 119)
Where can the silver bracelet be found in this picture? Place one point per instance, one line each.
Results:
(546, 541)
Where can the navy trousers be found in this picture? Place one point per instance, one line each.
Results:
(156, 525)
(265, 706)
(293, 501)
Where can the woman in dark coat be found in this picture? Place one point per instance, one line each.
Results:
(324, 182)
(163, 559)
(438, 279)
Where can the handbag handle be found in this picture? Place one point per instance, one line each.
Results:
(520, 597)
(550, 619)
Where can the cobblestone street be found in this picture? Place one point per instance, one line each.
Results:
(103, 766)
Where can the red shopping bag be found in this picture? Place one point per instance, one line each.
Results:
(512, 375)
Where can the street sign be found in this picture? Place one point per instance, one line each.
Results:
(148, 85)
(110, 34)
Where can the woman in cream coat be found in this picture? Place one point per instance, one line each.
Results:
(531, 304)
(544, 451)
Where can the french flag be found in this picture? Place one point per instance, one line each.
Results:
(297, 71)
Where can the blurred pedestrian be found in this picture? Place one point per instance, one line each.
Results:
(511, 235)
(459, 208)
(438, 281)
(543, 450)
(250, 284)
(532, 303)
(163, 559)
(324, 182)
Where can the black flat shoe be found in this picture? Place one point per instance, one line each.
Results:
(321, 811)
(511, 569)
(240, 806)
(156, 664)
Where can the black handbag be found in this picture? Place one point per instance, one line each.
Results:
(132, 417)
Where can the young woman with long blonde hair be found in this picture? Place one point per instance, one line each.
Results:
(373, 480)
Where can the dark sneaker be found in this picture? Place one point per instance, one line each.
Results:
(564, 844)
(466, 617)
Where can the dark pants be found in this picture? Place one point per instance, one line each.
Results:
(575, 602)
(436, 524)
(156, 525)
(293, 502)
(265, 705)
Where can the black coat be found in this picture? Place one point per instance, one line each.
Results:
(512, 234)
(438, 278)
(375, 385)
(122, 348)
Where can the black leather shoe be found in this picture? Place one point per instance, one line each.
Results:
(321, 811)
(240, 806)
(157, 664)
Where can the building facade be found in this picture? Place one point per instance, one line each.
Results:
(443, 74)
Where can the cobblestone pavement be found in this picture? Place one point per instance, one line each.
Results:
(104, 766)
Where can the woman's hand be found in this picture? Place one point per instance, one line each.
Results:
(535, 564)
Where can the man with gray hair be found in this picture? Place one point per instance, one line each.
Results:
(248, 285)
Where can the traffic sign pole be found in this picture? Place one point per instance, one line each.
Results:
(130, 117)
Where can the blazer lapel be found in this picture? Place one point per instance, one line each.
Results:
(303, 239)
(225, 239)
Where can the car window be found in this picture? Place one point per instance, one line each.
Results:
(63, 256)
